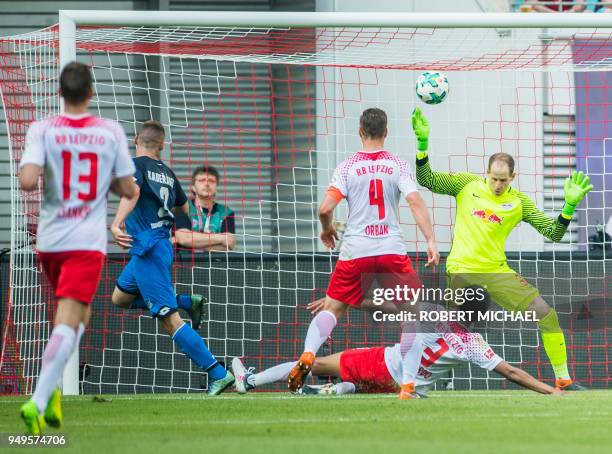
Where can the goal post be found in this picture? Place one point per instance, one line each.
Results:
(272, 100)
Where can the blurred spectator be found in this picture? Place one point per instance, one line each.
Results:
(210, 225)
(557, 6)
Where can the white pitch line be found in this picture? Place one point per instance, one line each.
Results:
(285, 396)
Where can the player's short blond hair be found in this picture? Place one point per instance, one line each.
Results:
(151, 135)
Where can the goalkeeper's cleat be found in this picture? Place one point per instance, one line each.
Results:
(218, 386)
(301, 370)
(569, 385)
(408, 391)
(242, 375)
(53, 413)
(195, 313)
(35, 423)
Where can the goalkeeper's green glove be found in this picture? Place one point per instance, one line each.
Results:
(420, 126)
(576, 187)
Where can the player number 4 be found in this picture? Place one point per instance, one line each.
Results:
(429, 356)
(377, 198)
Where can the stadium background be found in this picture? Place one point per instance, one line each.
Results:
(280, 263)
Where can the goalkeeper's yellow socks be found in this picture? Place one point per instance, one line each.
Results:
(554, 344)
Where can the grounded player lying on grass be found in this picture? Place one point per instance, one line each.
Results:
(145, 282)
(71, 236)
(488, 209)
(373, 181)
(379, 369)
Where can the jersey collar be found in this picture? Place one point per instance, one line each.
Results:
(76, 116)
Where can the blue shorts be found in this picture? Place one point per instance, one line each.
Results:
(149, 275)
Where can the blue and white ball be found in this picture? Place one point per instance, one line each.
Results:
(432, 87)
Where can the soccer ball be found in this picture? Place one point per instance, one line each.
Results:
(432, 88)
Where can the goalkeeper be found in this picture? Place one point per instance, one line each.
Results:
(487, 211)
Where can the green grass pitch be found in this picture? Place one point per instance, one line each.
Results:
(453, 422)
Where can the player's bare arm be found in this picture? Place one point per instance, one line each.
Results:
(202, 241)
(117, 228)
(205, 241)
(520, 377)
(125, 187)
(28, 177)
(329, 236)
(421, 217)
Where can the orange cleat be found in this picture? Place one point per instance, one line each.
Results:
(567, 384)
(300, 371)
(408, 391)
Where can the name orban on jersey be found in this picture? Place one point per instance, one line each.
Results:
(377, 230)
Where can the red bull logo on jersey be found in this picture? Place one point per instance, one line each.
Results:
(487, 215)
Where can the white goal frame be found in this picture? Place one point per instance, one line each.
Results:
(70, 19)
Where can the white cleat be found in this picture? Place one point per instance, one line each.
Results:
(242, 376)
(328, 389)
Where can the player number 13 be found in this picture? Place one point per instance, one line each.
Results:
(90, 179)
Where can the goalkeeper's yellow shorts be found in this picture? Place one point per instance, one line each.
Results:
(505, 287)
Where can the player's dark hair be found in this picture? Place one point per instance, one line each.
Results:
(373, 123)
(502, 157)
(76, 83)
(151, 135)
(475, 302)
(205, 169)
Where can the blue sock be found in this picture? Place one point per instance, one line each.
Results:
(183, 301)
(194, 347)
(138, 303)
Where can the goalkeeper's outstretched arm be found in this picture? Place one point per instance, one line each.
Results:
(438, 182)
(576, 187)
(520, 377)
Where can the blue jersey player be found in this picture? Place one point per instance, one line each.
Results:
(145, 282)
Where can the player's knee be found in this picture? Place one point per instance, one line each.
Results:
(540, 307)
(171, 321)
(121, 299)
(336, 307)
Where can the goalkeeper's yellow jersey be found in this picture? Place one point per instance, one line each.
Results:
(484, 220)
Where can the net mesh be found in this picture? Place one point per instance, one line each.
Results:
(275, 110)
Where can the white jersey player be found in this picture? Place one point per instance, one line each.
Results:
(373, 181)
(379, 369)
(82, 157)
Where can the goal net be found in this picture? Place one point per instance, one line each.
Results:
(275, 109)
